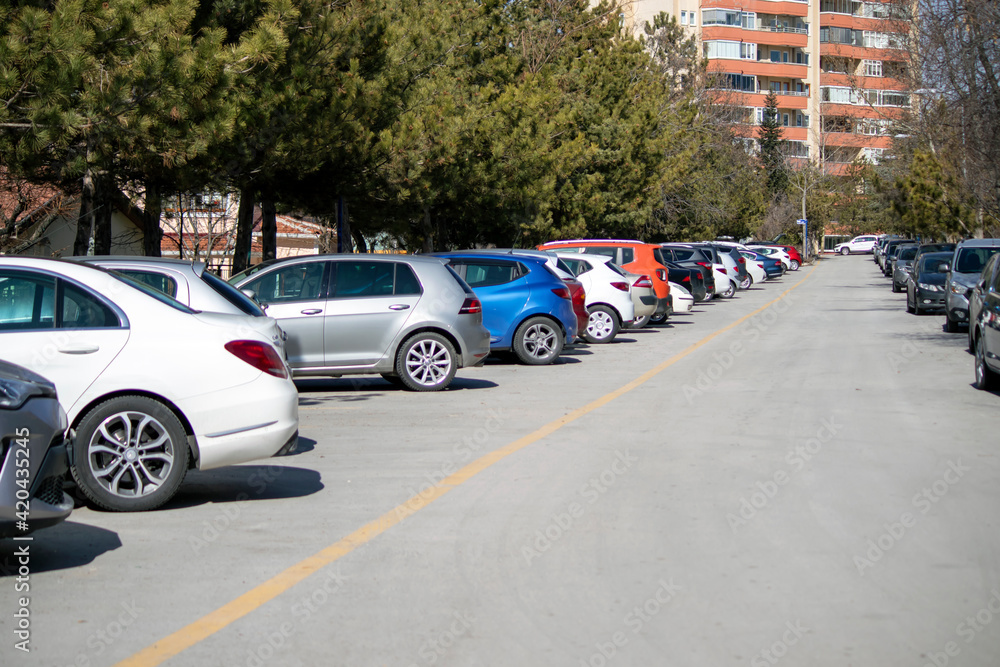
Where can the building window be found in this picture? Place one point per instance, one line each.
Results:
(684, 18)
(742, 83)
(873, 68)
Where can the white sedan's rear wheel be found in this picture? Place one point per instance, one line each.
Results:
(602, 327)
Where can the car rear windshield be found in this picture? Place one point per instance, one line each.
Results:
(909, 252)
(232, 295)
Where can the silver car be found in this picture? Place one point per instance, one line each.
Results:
(190, 283)
(411, 319)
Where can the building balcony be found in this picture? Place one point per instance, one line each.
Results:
(777, 37)
(759, 68)
(863, 110)
(858, 22)
(852, 140)
(860, 52)
(850, 81)
(784, 7)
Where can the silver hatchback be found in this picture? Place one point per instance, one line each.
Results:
(411, 319)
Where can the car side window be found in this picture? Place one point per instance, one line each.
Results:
(605, 251)
(628, 255)
(27, 302)
(577, 267)
(157, 281)
(682, 255)
(360, 279)
(995, 286)
(406, 280)
(296, 282)
(486, 274)
(82, 310)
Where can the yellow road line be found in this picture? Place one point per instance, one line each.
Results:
(208, 625)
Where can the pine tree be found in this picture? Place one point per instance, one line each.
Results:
(771, 147)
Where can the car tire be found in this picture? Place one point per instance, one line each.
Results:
(602, 326)
(794, 265)
(730, 291)
(640, 322)
(909, 308)
(538, 341)
(659, 319)
(845, 251)
(985, 378)
(950, 325)
(896, 289)
(426, 362)
(130, 454)
(746, 283)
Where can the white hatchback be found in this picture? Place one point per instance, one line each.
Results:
(857, 244)
(609, 298)
(151, 387)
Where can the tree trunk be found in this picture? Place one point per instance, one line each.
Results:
(343, 227)
(152, 211)
(102, 216)
(85, 221)
(428, 230)
(359, 241)
(244, 230)
(268, 228)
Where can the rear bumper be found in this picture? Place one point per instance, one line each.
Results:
(662, 306)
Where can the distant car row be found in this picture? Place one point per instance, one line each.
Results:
(962, 281)
(158, 366)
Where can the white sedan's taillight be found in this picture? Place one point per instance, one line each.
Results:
(259, 355)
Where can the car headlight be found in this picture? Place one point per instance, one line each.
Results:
(930, 288)
(958, 288)
(13, 393)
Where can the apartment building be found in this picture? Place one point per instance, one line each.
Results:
(838, 67)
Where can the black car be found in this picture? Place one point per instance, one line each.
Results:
(985, 328)
(925, 286)
(691, 258)
(889, 247)
(33, 456)
(690, 279)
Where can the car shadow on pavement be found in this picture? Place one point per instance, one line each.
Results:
(244, 482)
(63, 546)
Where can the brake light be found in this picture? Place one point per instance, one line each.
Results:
(760, 265)
(643, 281)
(561, 292)
(704, 265)
(743, 260)
(722, 271)
(471, 306)
(261, 356)
(686, 279)
(661, 274)
(579, 294)
(624, 286)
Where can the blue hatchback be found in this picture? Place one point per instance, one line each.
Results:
(526, 307)
(772, 265)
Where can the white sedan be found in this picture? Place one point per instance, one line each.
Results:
(754, 268)
(609, 298)
(151, 387)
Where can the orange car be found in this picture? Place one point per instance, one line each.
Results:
(634, 256)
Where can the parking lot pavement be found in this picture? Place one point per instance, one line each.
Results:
(812, 482)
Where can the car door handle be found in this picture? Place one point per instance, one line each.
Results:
(399, 306)
(80, 349)
(312, 311)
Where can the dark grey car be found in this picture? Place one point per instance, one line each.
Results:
(966, 266)
(33, 454)
(902, 265)
(411, 319)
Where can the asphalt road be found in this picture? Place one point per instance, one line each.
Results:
(811, 482)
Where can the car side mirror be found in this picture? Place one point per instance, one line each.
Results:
(250, 293)
(946, 268)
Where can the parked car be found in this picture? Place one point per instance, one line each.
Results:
(925, 285)
(643, 298)
(724, 264)
(151, 387)
(577, 290)
(609, 295)
(795, 257)
(742, 276)
(692, 258)
(966, 266)
(889, 247)
(784, 259)
(630, 255)
(33, 459)
(682, 301)
(407, 318)
(984, 327)
(189, 283)
(525, 306)
(901, 266)
(690, 278)
(890, 256)
(859, 244)
(755, 266)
